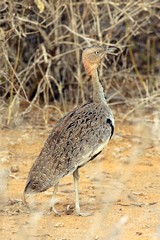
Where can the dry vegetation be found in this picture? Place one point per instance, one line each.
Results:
(40, 51)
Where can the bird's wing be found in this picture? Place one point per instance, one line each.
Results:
(77, 138)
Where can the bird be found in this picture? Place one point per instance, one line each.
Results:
(77, 138)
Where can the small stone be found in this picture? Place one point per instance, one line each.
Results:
(139, 193)
(4, 159)
(125, 160)
(14, 201)
(59, 224)
(136, 140)
(14, 169)
(149, 155)
(118, 137)
(87, 176)
(146, 163)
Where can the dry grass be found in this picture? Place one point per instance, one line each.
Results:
(40, 51)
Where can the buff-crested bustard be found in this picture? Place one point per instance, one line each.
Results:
(77, 138)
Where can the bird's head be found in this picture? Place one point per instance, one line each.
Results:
(92, 57)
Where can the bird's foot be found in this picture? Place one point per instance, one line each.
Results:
(57, 214)
(52, 204)
(83, 214)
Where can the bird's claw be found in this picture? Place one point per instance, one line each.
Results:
(57, 214)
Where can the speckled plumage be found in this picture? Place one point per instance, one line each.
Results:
(73, 142)
(76, 139)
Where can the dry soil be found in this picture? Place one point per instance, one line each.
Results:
(121, 188)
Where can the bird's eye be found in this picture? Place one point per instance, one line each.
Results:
(96, 52)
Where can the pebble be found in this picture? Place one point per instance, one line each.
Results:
(14, 169)
(59, 224)
(4, 159)
(148, 154)
(125, 160)
(136, 140)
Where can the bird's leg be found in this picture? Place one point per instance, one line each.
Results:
(76, 178)
(53, 201)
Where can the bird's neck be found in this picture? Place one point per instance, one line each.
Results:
(98, 93)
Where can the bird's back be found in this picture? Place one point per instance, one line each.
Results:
(76, 139)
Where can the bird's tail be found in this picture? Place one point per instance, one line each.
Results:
(27, 189)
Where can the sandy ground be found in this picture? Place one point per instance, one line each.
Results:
(121, 188)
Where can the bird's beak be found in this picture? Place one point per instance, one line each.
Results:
(111, 50)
